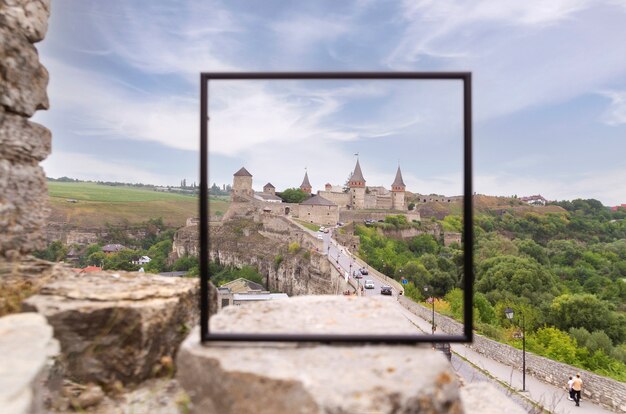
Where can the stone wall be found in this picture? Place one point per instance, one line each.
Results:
(23, 144)
(604, 391)
(320, 378)
(360, 215)
(326, 215)
(341, 199)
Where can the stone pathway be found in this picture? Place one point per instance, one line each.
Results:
(553, 399)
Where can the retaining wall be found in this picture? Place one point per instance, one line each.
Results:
(605, 391)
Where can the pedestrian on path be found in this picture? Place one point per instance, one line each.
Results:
(577, 386)
(570, 389)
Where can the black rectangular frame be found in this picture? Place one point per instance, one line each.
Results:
(468, 218)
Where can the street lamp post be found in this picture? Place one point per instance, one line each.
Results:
(509, 314)
(432, 300)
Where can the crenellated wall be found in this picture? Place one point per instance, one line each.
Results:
(23, 144)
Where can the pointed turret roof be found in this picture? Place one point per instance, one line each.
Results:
(242, 173)
(398, 182)
(357, 175)
(269, 185)
(305, 182)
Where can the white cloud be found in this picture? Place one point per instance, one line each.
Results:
(616, 113)
(522, 54)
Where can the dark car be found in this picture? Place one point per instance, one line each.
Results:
(364, 271)
(385, 290)
(445, 348)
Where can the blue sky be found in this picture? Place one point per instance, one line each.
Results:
(549, 93)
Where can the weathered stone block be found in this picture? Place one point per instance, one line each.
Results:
(21, 140)
(27, 16)
(23, 207)
(26, 350)
(283, 378)
(23, 80)
(117, 326)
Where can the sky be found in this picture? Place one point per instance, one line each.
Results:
(549, 93)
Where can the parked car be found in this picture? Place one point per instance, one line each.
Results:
(319, 236)
(369, 284)
(443, 347)
(339, 224)
(363, 271)
(385, 290)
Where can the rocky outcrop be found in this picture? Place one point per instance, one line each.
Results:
(26, 351)
(291, 378)
(23, 278)
(117, 326)
(23, 144)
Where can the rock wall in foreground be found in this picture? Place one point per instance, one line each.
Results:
(23, 144)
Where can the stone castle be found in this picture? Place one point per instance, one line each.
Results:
(326, 206)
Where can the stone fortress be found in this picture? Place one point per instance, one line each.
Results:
(329, 206)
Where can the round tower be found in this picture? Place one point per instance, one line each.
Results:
(242, 184)
(357, 188)
(398, 192)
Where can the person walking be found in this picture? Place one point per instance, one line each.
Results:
(569, 388)
(577, 387)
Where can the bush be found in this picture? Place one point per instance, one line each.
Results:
(294, 247)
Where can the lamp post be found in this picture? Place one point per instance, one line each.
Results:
(432, 300)
(509, 314)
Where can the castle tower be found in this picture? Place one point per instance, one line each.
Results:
(397, 192)
(306, 185)
(242, 184)
(357, 188)
(269, 189)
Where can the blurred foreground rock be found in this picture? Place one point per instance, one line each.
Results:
(314, 378)
(26, 351)
(117, 327)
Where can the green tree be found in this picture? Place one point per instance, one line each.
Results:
(523, 277)
(293, 195)
(55, 252)
(585, 311)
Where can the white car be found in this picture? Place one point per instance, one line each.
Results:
(369, 284)
(319, 236)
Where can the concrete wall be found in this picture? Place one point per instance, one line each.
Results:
(602, 390)
(23, 144)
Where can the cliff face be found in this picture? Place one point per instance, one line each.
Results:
(242, 242)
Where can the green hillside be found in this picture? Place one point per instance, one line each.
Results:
(96, 205)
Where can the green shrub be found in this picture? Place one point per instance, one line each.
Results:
(294, 247)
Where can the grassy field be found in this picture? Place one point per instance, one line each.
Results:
(99, 204)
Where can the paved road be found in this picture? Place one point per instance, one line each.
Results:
(341, 256)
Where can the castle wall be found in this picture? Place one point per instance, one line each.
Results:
(370, 201)
(360, 215)
(327, 215)
(384, 202)
(341, 199)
